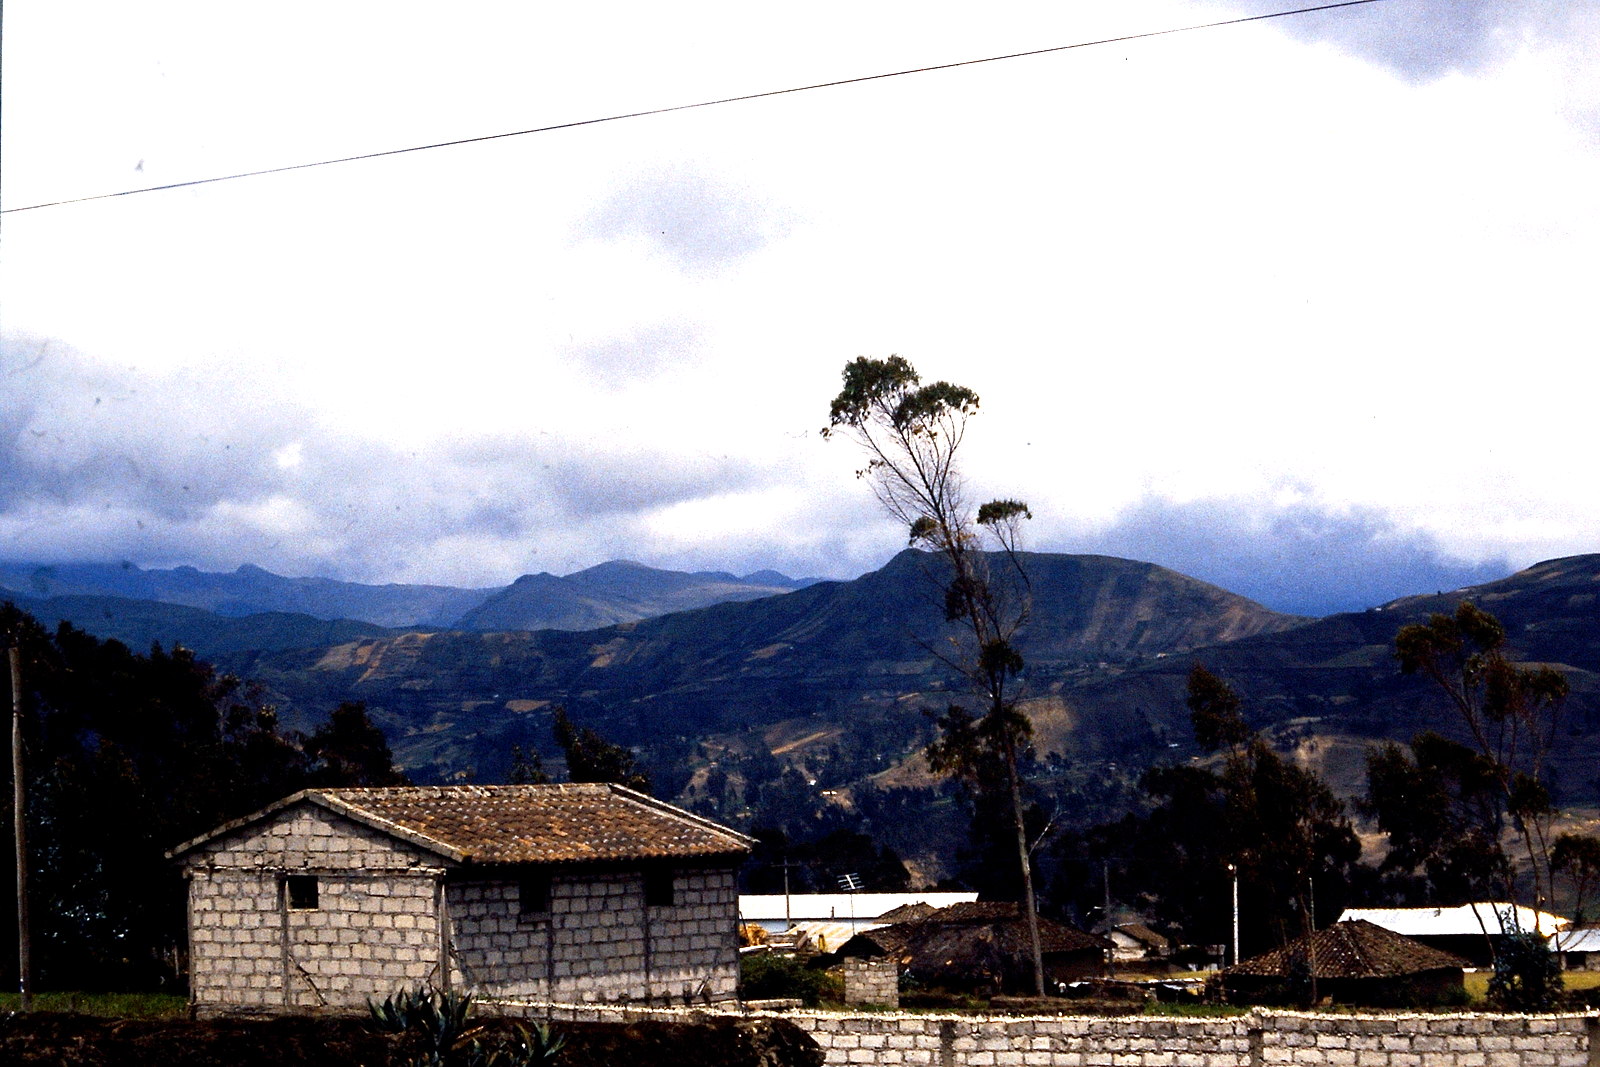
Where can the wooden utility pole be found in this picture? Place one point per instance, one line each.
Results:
(19, 816)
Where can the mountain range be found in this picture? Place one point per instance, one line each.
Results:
(610, 593)
(1108, 645)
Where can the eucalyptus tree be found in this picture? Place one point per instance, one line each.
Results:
(911, 433)
(1512, 714)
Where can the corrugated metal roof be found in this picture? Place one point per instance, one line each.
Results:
(768, 907)
(1467, 919)
(565, 823)
(1586, 939)
(831, 936)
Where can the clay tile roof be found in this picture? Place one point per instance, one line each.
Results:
(907, 912)
(995, 922)
(1352, 949)
(978, 911)
(494, 824)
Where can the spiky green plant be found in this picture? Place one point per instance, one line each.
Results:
(438, 1023)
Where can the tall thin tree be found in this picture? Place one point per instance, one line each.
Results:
(911, 433)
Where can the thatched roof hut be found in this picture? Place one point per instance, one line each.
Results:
(981, 945)
(1354, 963)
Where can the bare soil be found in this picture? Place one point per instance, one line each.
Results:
(45, 1039)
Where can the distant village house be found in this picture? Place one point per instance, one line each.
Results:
(556, 892)
(981, 946)
(1137, 943)
(1352, 962)
(1472, 931)
(821, 922)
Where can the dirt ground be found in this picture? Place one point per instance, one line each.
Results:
(61, 1040)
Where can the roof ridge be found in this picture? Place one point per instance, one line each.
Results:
(565, 822)
(681, 814)
(388, 826)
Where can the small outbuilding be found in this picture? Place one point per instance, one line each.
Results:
(1137, 943)
(1354, 962)
(981, 945)
(568, 892)
(1578, 947)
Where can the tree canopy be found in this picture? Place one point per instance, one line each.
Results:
(1254, 811)
(128, 755)
(591, 758)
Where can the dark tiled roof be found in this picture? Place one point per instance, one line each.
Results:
(1356, 949)
(907, 912)
(568, 823)
(977, 928)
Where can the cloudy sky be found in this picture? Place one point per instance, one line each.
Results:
(1304, 306)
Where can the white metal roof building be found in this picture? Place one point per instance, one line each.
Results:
(1466, 920)
(776, 912)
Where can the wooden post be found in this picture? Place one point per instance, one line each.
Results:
(283, 937)
(19, 795)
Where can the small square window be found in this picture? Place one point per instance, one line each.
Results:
(658, 888)
(533, 895)
(302, 891)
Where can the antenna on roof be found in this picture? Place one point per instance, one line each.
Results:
(851, 883)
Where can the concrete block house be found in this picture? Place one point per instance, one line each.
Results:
(574, 893)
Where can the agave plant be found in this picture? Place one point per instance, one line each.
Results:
(437, 1022)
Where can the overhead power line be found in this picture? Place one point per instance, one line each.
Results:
(685, 107)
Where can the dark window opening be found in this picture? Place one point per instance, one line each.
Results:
(302, 890)
(533, 895)
(658, 889)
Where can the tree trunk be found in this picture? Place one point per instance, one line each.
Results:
(1029, 909)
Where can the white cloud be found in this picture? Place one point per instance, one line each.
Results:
(1353, 260)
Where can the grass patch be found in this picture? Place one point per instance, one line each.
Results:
(1581, 979)
(104, 1005)
(1477, 983)
(1196, 1011)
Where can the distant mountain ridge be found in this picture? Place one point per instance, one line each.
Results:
(600, 596)
(249, 590)
(142, 623)
(822, 650)
(615, 592)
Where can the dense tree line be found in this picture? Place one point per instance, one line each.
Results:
(1249, 812)
(1469, 818)
(128, 755)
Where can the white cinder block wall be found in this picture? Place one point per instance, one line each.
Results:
(375, 926)
(599, 941)
(378, 925)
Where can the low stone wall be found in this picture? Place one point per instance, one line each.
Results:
(872, 982)
(1258, 1039)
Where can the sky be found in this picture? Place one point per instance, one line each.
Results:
(1303, 306)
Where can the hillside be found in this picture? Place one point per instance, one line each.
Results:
(1329, 687)
(826, 651)
(831, 680)
(141, 623)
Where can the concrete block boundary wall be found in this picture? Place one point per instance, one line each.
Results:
(1258, 1039)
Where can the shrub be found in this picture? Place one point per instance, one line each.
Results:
(768, 976)
(1527, 975)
